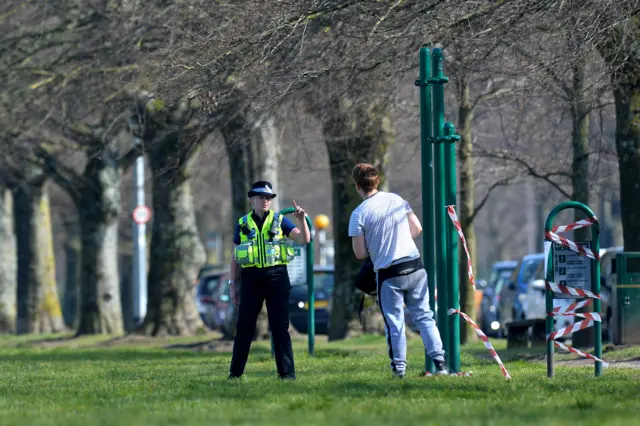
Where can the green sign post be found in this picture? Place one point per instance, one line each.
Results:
(426, 133)
(594, 278)
(440, 243)
(310, 284)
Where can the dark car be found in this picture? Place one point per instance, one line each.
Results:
(490, 306)
(211, 298)
(323, 278)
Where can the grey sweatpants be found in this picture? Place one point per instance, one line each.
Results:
(410, 290)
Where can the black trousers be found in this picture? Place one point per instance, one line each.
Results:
(258, 285)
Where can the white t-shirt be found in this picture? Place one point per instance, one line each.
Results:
(382, 218)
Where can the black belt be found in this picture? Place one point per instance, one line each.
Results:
(400, 269)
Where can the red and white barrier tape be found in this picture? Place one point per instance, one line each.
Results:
(578, 352)
(454, 218)
(584, 223)
(551, 236)
(571, 308)
(484, 339)
(570, 290)
(586, 315)
(581, 325)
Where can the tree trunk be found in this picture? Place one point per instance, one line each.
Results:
(72, 250)
(98, 207)
(627, 99)
(8, 273)
(70, 298)
(38, 304)
(233, 133)
(353, 134)
(621, 53)
(580, 168)
(580, 143)
(267, 156)
(177, 252)
(467, 207)
(236, 135)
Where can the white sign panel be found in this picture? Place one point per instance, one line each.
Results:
(297, 268)
(570, 269)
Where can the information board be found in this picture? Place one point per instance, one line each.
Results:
(297, 268)
(570, 269)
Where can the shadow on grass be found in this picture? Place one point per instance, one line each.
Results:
(49, 341)
(208, 345)
(337, 352)
(115, 354)
(506, 355)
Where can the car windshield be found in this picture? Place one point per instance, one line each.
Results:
(529, 268)
(209, 286)
(498, 275)
(321, 280)
(502, 279)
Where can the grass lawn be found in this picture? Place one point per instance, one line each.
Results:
(87, 382)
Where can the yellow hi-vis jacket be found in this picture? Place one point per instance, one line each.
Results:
(262, 249)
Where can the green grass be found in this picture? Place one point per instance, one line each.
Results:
(85, 382)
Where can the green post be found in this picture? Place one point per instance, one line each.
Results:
(452, 247)
(445, 138)
(311, 294)
(439, 200)
(426, 149)
(595, 282)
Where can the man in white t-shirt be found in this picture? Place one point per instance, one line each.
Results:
(383, 227)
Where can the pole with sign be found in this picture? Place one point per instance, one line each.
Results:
(296, 272)
(141, 215)
(572, 270)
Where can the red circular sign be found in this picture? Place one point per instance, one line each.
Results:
(141, 214)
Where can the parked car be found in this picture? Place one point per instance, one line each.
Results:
(323, 278)
(228, 314)
(534, 306)
(607, 281)
(211, 299)
(513, 292)
(489, 312)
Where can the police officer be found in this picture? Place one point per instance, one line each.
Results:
(261, 252)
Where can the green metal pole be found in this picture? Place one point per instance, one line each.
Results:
(452, 251)
(311, 292)
(439, 202)
(595, 279)
(549, 301)
(426, 149)
(597, 303)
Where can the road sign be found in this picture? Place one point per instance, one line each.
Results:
(570, 269)
(297, 268)
(141, 214)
